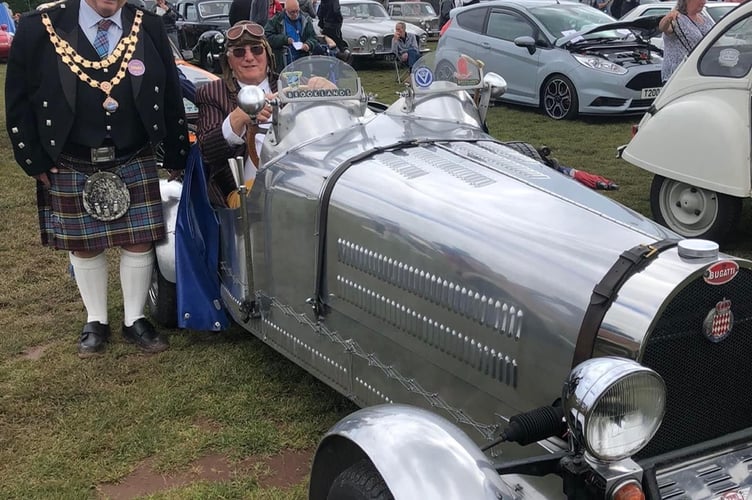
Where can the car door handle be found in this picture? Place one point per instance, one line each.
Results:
(485, 45)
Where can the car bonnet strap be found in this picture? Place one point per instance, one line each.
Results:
(629, 262)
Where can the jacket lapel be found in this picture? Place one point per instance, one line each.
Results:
(66, 25)
(128, 15)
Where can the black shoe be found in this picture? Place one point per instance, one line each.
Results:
(94, 337)
(143, 334)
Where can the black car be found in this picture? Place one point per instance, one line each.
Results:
(201, 29)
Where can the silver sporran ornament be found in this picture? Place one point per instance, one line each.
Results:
(106, 196)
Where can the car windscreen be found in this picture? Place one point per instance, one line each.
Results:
(214, 9)
(363, 10)
(560, 20)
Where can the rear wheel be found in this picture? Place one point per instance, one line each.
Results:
(360, 481)
(526, 149)
(559, 98)
(691, 211)
(162, 300)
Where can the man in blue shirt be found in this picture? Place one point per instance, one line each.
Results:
(290, 34)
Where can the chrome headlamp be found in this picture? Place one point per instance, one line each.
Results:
(219, 38)
(613, 406)
(362, 41)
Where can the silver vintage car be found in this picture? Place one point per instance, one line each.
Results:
(508, 332)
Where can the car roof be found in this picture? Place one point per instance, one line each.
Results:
(523, 3)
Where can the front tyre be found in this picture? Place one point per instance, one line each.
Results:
(691, 211)
(360, 481)
(559, 98)
(162, 300)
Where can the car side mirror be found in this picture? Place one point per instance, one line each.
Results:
(526, 41)
(187, 54)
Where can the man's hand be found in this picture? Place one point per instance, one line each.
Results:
(44, 179)
(404, 57)
(305, 48)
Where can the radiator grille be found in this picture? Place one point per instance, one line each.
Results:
(707, 384)
(645, 80)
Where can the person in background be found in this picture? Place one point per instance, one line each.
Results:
(223, 129)
(682, 29)
(86, 132)
(330, 22)
(290, 34)
(169, 17)
(275, 7)
(405, 45)
(309, 7)
(256, 11)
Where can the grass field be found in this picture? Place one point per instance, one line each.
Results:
(218, 415)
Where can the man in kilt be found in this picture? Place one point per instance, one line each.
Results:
(91, 89)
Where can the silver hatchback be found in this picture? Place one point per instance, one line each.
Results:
(567, 58)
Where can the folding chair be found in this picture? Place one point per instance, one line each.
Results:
(401, 70)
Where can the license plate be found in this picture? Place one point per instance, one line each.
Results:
(650, 92)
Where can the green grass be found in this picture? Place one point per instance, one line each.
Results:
(67, 426)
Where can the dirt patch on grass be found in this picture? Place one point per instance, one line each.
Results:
(34, 353)
(281, 471)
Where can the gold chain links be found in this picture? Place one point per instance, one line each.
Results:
(72, 59)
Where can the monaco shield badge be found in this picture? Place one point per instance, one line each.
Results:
(719, 321)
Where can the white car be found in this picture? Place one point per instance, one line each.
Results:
(715, 10)
(696, 138)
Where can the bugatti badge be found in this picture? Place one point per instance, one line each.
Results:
(721, 272)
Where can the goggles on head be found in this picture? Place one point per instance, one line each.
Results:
(237, 30)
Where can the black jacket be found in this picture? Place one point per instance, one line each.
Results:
(254, 10)
(40, 91)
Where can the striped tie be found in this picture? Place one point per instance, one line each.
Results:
(101, 44)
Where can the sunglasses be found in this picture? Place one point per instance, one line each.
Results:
(252, 28)
(240, 52)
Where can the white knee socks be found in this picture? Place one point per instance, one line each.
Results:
(135, 279)
(91, 278)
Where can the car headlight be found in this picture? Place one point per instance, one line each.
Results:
(362, 41)
(600, 64)
(613, 406)
(423, 39)
(374, 40)
(219, 38)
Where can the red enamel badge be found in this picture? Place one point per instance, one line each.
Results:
(721, 272)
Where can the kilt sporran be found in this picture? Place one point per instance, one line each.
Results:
(105, 196)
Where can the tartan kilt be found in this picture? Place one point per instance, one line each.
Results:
(64, 223)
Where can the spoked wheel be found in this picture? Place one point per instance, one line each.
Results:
(162, 300)
(360, 481)
(691, 211)
(559, 98)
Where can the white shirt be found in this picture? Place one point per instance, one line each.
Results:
(88, 19)
(249, 169)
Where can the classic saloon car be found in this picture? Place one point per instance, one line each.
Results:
(420, 14)
(510, 333)
(369, 31)
(695, 138)
(202, 29)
